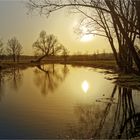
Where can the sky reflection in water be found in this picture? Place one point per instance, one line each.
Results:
(59, 101)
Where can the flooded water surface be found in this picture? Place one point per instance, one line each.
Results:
(61, 101)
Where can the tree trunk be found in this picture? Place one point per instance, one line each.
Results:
(115, 53)
(40, 58)
(18, 58)
(14, 58)
(131, 46)
(137, 5)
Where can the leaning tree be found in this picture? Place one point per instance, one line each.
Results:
(46, 45)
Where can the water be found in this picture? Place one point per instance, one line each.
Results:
(58, 101)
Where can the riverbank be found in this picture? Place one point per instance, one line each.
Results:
(104, 64)
(123, 80)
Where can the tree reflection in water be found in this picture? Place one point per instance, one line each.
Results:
(49, 77)
(1, 84)
(116, 118)
(12, 77)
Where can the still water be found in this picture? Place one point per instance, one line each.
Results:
(61, 101)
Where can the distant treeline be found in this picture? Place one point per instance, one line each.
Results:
(78, 57)
(102, 56)
(22, 57)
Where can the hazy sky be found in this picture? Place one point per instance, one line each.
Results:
(14, 21)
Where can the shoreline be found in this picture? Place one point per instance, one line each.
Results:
(103, 64)
(122, 80)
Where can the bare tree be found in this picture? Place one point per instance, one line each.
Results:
(19, 52)
(125, 29)
(14, 48)
(122, 15)
(105, 22)
(65, 53)
(1, 47)
(46, 45)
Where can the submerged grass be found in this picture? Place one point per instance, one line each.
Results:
(128, 80)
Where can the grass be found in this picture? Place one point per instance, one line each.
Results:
(9, 64)
(97, 64)
(106, 64)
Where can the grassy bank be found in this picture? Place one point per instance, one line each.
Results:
(22, 64)
(105, 64)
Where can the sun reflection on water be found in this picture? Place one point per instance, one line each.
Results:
(85, 86)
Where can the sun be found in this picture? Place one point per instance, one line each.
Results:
(87, 38)
(85, 86)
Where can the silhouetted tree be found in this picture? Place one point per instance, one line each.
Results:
(46, 45)
(1, 47)
(65, 53)
(122, 12)
(14, 48)
(103, 22)
(122, 15)
(19, 52)
(137, 5)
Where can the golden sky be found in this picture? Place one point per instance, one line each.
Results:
(14, 21)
